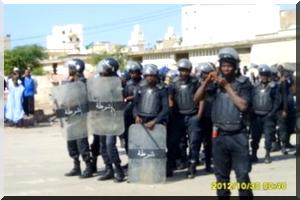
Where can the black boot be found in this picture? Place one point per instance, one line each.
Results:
(268, 157)
(109, 173)
(125, 167)
(283, 149)
(275, 146)
(182, 164)
(88, 172)
(94, 164)
(208, 166)
(76, 171)
(119, 174)
(192, 170)
(170, 168)
(253, 157)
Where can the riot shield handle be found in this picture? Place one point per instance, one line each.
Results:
(60, 119)
(149, 134)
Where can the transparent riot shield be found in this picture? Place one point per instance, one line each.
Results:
(106, 106)
(71, 107)
(147, 154)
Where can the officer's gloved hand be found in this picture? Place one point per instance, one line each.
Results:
(150, 124)
(128, 99)
(222, 82)
(212, 76)
(138, 120)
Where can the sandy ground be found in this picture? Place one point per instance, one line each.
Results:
(36, 159)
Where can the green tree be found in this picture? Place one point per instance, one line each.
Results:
(118, 55)
(23, 57)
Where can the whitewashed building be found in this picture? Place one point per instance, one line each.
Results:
(136, 42)
(206, 24)
(67, 39)
(256, 31)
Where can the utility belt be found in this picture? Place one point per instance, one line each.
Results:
(216, 132)
(184, 112)
(189, 114)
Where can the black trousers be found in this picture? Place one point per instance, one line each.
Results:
(128, 121)
(109, 151)
(286, 126)
(260, 125)
(173, 140)
(232, 152)
(79, 147)
(28, 105)
(206, 129)
(95, 146)
(188, 128)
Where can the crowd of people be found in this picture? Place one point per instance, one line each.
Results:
(217, 108)
(19, 91)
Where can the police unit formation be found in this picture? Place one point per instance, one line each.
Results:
(211, 116)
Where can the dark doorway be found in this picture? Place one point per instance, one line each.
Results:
(54, 66)
(181, 55)
(138, 59)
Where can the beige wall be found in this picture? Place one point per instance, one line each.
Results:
(42, 98)
(275, 52)
(287, 19)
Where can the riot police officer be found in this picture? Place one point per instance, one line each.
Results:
(110, 155)
(151, 109)
(230, 141)
(170, 76)
(151, 101)
(202, 71)
(265, 103)
(80, 146)
(181, 96)
(130, 89)
(173, 152)
(287, 113)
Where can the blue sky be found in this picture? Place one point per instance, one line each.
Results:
(101, 22)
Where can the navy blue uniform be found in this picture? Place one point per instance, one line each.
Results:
(186, 119)
(231, 147)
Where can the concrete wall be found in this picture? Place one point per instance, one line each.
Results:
(45, 85)
(205, 24)
(196, 56)
(275, 52)
(164, 59)
(42, 98)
